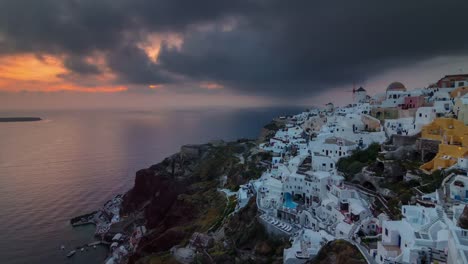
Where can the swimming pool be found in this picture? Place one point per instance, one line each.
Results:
(288, 201)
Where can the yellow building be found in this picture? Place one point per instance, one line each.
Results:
(459, 92)
(453, 137)
(461, 109)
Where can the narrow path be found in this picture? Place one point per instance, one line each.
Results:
(369, 259)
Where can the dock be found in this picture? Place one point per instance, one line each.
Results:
(85, 219)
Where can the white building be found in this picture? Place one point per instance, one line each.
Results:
(360, 95)
(305, 246)
(457, 240)
(424, 116)
(458, 188)
(405, 240)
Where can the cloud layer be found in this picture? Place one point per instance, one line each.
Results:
(262, 47)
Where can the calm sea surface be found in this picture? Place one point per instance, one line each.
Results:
(74, 161)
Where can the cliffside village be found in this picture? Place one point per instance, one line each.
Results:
(304, 197)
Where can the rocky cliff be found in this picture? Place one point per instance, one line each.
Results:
(338, 252)
(180, 196)
(463, 220)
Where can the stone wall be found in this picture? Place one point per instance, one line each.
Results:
(401, 140)
(271, 230)
(426, 146)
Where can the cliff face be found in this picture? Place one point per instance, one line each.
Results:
(247, 241)
(152, 186)
(338, 252)
(463, 220)
(179, 196)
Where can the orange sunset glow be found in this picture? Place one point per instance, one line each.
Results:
(27, 72)
(211, 85)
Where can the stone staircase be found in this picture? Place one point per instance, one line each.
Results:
(426, 227)
(354, 229)
(440, 214)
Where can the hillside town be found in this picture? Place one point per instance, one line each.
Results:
(305, 196)
(386, 173)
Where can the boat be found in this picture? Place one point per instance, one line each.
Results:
(94, 246)
(82, 249)
(71, 253)
(62, 247)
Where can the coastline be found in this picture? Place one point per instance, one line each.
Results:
(159, 219)
(19, 119)
(108, 220)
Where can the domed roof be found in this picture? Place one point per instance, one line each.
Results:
(361, 89)
(396, 86)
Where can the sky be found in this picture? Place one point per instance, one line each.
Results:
(243, 53)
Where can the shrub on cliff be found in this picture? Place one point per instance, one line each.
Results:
(338, 252)
(360, 158)
(218, 161)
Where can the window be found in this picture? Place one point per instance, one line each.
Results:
(386, 231)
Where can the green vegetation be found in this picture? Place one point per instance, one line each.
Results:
(269, 130)
(231, 206)
(273, 126)
(219, 159)
(403, 193)
(431, 182)
(339, 252)
(394, 207)
(211, 205)
(358, 160)
(412, 165)
(249, 170)
(402, 189)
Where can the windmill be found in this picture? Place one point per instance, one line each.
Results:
(353, 91)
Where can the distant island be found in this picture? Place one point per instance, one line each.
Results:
(19, 119)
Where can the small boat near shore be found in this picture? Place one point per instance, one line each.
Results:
(71, 253)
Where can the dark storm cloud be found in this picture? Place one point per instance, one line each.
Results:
(295, 49)
(79, 26)
(276, 47)
(133, 66)
(78, 65)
